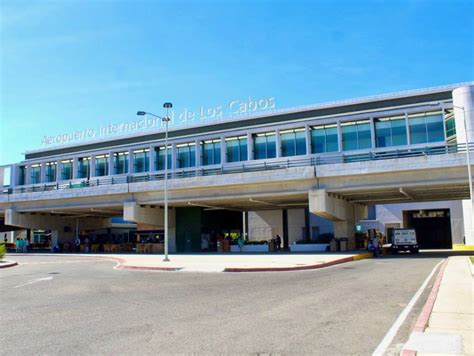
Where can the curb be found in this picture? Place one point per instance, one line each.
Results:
(424, 317)
(122, 266)
(299, 268)
(8, 264)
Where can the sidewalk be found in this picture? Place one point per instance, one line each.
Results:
(450, 327)
(224, 262)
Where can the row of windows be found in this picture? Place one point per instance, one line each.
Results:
(389, 131)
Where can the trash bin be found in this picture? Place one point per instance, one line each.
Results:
(226, 246)
(219, 246)
(333, 245)
(343, 244)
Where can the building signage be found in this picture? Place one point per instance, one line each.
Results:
(233, 108)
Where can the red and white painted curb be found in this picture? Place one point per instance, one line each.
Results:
(424, 317)
(8, 264)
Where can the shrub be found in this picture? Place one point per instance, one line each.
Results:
(3, 250)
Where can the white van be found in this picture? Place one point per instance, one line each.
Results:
(404, 240)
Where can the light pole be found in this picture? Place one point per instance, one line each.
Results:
(468, 165)
(166, 120)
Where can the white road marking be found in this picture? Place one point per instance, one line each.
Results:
(35, 281)
(387, 340)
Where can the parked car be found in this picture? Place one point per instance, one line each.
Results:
(404, 240)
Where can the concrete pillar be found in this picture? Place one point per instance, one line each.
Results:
(43, 172)
(58, 170)
(278, 143)
(308, 139)
(111, 163)
(28, 174)
(143, 214)
(249, 147)
(151, 159)
(343, 214)
(74, 167)
(339, 136)
(130, 161)
(296, 225)
(223, 151)
(198, 153)
(463, 100)
(14, 175)
(372, 132)
(92, 166)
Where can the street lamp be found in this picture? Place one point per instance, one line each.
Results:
(468, 165)
(166, 119)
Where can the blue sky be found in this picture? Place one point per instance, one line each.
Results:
(70, 65)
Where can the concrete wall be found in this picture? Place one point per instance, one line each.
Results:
(265, 225)
(296, 224)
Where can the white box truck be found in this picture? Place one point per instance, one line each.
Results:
(404, 240)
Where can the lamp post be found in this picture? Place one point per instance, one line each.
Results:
(468, 165)
(166, 119)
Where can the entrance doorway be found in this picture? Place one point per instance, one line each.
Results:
(433, 227)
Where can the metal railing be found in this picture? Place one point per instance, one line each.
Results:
(243, 167)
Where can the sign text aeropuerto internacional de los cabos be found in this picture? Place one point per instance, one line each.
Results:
(185, 117)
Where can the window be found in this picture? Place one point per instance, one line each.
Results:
(236, 148)
(356, 135)
(36, 173)
(102, 165)
(66, 169)
(293, 142)
(210, 152)
(83, 167)
(120, 162)
(22, 175)
(264, 145)
(186, 155)
(390, 131)
(426, 127)
(51, 172)
(450, 123)
(371, 212)
(160, 158)
(141, 160)
(324, 139)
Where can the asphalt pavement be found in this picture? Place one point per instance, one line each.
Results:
(68, 305)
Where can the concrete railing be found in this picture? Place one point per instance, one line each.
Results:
(242, 167)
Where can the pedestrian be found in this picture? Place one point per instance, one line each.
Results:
(18, 245)
(375, 244)
(5, 238)
(278, 242)
(77, 244)
(26, 244)
(241, 242)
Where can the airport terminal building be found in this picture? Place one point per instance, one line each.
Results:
(391, 161)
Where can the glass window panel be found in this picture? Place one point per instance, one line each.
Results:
(349, 137)
(141, 161)
(243, 149)
(120, 162)
(332, 144)
(382, 133)
(399, 132)
(51, 172)
(66, 170)
(101, 166)
(450, 127)
(186, 156)
(35, 174)
(300, 142)
(260, 147)
(364, 136)
(232, 149)
(288, 144)
(417, 130)
(318, 140)
(83, 165)
(22, 175)
(435, 128)
(160, 158)
(271, 146)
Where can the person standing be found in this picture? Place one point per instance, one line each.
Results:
(375, 244)
(278, 242)
(18, 245)
(26, 245)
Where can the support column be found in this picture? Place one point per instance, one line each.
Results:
(130, 161)
(249, 147)
(343, 213)
(111, 163)
(463, 100)
(74, 167)
(278, 143)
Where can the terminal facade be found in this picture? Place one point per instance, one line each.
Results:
(391, 161)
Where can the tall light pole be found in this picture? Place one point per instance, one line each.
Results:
(166, 119)
(468, 165)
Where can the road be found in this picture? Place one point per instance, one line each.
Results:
(87, 307)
